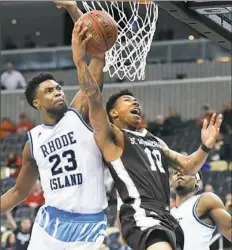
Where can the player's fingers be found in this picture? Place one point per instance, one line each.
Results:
(212, 120)
(88, 37)
(205, 123)
(83, 32)
(77, 27)
(219, 121)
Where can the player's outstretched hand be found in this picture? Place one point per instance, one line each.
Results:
(65, 4)
(210, 130)
(80, 37)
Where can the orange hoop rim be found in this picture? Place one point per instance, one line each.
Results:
(144, 2)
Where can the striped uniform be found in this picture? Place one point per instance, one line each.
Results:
(197, 233)
(71, 172)
(142, 181)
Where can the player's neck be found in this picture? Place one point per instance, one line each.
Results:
(50, 120)
(123, 125)
(183, 197)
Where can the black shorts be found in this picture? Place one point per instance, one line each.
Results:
(145, 228)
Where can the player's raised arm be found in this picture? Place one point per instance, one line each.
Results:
(97, 61)
(216, 210)
(71, 7)
(108, 137)
(192, 164)
(24, 184)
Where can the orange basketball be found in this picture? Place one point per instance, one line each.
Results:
(103, 28)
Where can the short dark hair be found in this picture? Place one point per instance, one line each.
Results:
(32, 86)
(112, 100)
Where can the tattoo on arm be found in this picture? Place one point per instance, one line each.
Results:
(87, 83)
(172, 160)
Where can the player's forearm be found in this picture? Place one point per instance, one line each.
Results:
(74, 12)
(195, 162)
(228, 233)
(11, 199)
(189, 165)
(87, 84)
(96, 67)
(225, 226)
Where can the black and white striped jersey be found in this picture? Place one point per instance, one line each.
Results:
(141, 174)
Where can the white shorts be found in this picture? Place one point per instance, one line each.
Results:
(59, 230)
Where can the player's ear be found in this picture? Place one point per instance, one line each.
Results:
(113, 113)
(36, 104)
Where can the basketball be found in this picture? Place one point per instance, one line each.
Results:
(104, 31)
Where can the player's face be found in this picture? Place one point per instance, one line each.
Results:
(127, 110)
(50, 98)
(183, 184)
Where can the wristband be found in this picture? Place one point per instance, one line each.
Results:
(205, 149)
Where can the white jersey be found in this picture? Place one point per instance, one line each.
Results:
(70, 165)
(197, 234)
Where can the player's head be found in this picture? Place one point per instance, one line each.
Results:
(45, 94)
(184, 184)
(124, 110)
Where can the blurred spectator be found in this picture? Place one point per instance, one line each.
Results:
(156, 127)
(227, 118)
(9, 44)
(22, 232)
(12, 79)
(207, 113)
(172, 202)
(10, 242)
(208, 188)
(24, 124)
(172, 122)
(36, 198)
(29, 43)
(14, 163)
(7, 127)
(220, 151)
(228, 203)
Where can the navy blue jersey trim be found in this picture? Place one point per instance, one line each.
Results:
(197, 218)
(31, 145)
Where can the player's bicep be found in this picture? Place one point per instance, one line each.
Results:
(28, 174)
(218, 213)
(80, 103)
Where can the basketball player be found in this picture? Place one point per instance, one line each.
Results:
(63, 153)
(138, 163)
(199, 215)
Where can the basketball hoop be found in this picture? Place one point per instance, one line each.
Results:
(136, 27)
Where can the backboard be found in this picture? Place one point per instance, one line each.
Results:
(212, 19)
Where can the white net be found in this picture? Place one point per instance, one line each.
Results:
(136, 27)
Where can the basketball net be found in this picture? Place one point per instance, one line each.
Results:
(127, 58)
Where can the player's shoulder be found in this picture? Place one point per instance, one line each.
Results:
(35, 129)
(209, 200)
(74, 113)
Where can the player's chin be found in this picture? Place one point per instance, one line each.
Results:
(135, 118)
(135, 121)
(60, 105)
